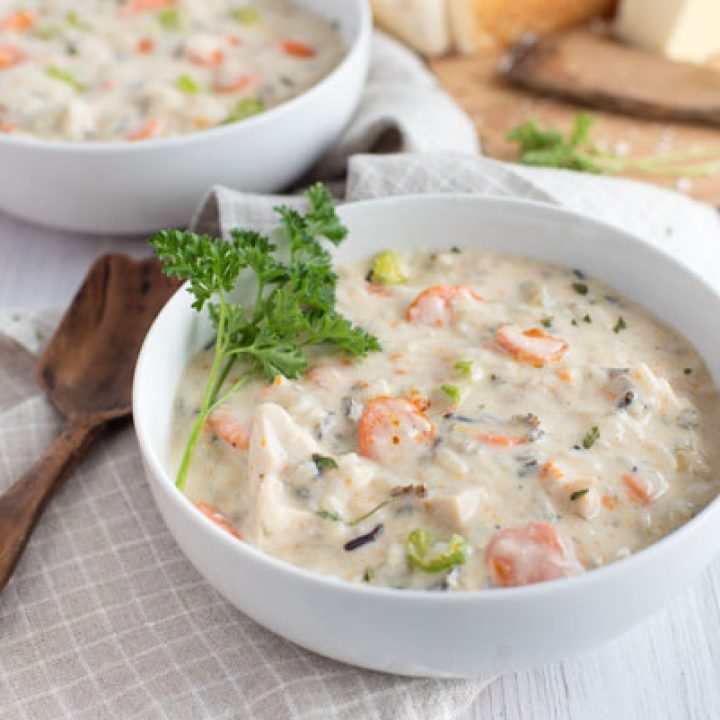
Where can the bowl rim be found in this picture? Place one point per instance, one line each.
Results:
(359, 41)
(159, 474)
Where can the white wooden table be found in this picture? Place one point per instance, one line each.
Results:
(666, 669)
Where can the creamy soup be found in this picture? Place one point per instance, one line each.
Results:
(141, 69)
(523, 423)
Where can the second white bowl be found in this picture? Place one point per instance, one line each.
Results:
(125, 188)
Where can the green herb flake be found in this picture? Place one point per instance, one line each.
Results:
(465, 367)
(580, 288)
(65, 76)
(688, 371)
(368, 575)
(245, 15)
(170, 19)
(75, 21)
(419, 547)
(591, 437)
(387, 269)
(45, 32)
(245, 108)
(620, 324)
(324, 463)
(185, 84)
(455, 250)
(453, 392)
(579, 493)
(587, 319)
(329, 515)
(547, 322)
(369, 513)
(574, 322)
(293, 308)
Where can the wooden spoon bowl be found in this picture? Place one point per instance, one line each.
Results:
(86, 370)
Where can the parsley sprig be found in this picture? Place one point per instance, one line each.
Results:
(548, 147)
(293, 308)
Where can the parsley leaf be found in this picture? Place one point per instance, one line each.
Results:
(591, 437)
(294, 306)
(323, 463)
(548, 147)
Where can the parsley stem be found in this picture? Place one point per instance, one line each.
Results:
(189, 449)
(242, 380)
(200, 421)
(223, 377)
(210, 390)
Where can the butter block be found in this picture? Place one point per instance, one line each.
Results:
(680, 29)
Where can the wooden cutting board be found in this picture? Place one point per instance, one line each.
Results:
(496, 106)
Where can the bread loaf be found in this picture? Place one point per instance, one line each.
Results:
(422, 24)
(488, 24)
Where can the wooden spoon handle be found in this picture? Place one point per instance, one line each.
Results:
(23, 503)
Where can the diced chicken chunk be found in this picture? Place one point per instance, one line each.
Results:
(276, 443)
(455, 510)
(582, 497)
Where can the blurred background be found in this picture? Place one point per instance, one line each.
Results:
(648, 70)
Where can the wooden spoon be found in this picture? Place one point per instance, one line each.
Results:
(86, 370)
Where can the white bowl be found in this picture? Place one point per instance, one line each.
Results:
(430, 633)
(128, 188)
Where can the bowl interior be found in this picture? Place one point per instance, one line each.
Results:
(353, 21)
(632, 266)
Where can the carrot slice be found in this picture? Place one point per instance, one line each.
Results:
(18, 21)
(298, 49)
(145, 132)
(7, 127)
(391, 428)
(430, 307)
(218, 518)
(645, 489)
(375, 289)
(226, 425)
(550, 471)
(146, 45)
(530, 553)
(501, 440)
(609, 502)
(9, 56)
(137, 7)
(211, 59)
(534, 346)
(244, 82)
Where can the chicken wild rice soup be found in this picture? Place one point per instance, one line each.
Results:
(522, 423)
(140, 69)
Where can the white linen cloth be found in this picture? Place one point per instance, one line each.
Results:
(104, 617)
